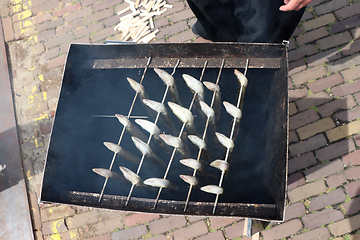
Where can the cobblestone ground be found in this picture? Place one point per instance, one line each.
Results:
(324, 60)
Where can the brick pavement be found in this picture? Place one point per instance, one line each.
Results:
(324, 60)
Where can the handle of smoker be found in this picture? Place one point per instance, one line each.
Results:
(109, 42)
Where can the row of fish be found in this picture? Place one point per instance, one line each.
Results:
(186, 117)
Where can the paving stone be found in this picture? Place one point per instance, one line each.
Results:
(330, 6)
(301, 162)
(296, 66)
(307, 190)
(351, 73)
(348, 115)
(56, 62)
(114, 20)
(351, 207)
(177, 27)
(334, 40)
(301, 52)
(324, 83)
(319, 22)
(323, 57)
(37, 108)
(283, 230)
(130, 233)
(343, 131)
(46, 35)
(78, 14)
(335, 150)
(166, 224)
(344, 63)
(345, 226)
(327, 199)
(181, 16)
(217, 235)
(182, 37)
(49, 25)
(352, 173)
(108, 226)
(292, 108)
(354, 237)
(315, 128)
(323, 170)
(102, 237)
(81, 219)
(335, 180)
(313, 100)
(102, 34)
(307, 16)
(303, 118)
(193, 218)
(44, 6)
(295, 180)
(56, 41)
(177, 7)
(352, 158)
(294, 211)
(345, 24)
(158, 237)
(342, 103)
(323, 217)
(190, 231)
(312, 36)
(235, 230)
(353, 189)
(53, 227)
(8, 29)
(95, 17)
(217, 222)
(161, 22)
(297, 94)
(52, 53)
(309, 74)
(316, 234)
(348, 11)
(293, 137)
(307, 145)
(139, 218)
(37, 48)
(292, 44)
(104, 4)
(59, 211)
(86, 30)
(355, 32)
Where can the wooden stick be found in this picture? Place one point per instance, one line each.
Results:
(137, 3)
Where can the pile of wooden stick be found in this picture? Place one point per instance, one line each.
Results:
(138, 24)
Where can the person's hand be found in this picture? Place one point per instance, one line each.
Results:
(294, 5)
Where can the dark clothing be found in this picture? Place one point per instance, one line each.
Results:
(244, 20)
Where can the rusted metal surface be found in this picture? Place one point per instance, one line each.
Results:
(257, 166)
(15, 218)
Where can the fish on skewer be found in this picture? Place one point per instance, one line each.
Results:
(137, 88)
(106, 173)
(212, 189)
(133, 130)
(159, 182)
(169, 82)
(195, 86)
(131, 176)
(241, 77)
(220, 164)
(150, 127)
(160, 108)
(184, 115)
(233, 110)
(189, 179)
(146, 150)
(200, 143)
(175, 142)
(208, 111)
(192, 163)
(217, 101)
(225, 141)
(122, 152)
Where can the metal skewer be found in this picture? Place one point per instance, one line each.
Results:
(181, 132)
(149, 140)
(123, 130)
(231, 137)
(205, 131)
